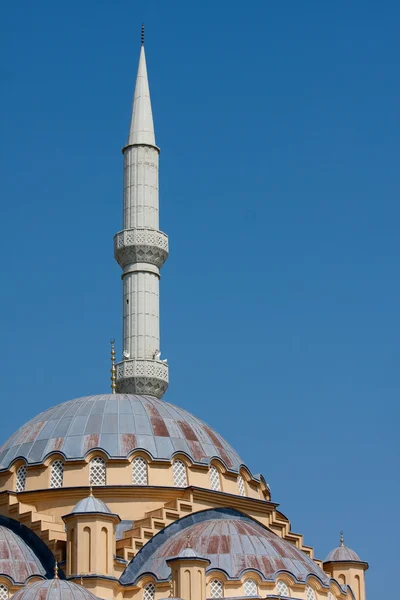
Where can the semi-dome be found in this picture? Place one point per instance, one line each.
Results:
(231, 541)
(17, 559)
(117, 424)
(53, 589)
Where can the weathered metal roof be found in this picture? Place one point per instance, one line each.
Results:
(231, 541)
(118, 424)
(342, 554)
(53, 589)
(17, 560)
(91, 504)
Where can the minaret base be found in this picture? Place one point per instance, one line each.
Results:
(144, 377)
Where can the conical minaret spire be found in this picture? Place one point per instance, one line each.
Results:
(141, 250)
(142, 127)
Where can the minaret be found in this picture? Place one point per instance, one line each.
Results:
(141, 250)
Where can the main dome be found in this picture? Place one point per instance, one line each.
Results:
(117, 424)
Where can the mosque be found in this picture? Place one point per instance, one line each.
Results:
(125, 496)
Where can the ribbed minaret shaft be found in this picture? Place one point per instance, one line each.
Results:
(141, 250)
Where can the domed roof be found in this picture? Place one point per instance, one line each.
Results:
(342, 554)
(188, 552)
(53, 589)
(91, 505)
(118, 424)
(17, 560)
(231, 542)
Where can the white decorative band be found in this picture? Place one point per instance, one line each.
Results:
(141, 144)
(138, 267)
(142, 376)
(140, 245)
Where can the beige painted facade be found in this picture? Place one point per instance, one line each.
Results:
(89, 553)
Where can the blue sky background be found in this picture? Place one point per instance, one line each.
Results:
(279, 131)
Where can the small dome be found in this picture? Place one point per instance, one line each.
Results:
(53, 589)
(17, 559)
(189, 553)
(231, 541)
(91, 504)
(342, 554)
(117, 424)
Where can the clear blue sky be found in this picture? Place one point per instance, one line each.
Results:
(279, 131)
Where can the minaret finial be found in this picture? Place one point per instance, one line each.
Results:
(142, 36)
(91, 490)
(341, 538)
(56, 569)
(113, 371)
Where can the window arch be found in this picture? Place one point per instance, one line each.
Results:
(97, 471)
(242, 489)
(250, 587)
(215, 481)
(149, 592)
(57, 474)
(358, 583)
(179, 471)
(21, 479)
(3, 592)
(282, 589)
(139, 471)
(310, 593)
(216, 589)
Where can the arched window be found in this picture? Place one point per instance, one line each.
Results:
(180, 477)
(282, 589)
(57, 474)
(149, 592)
(139, 471)
(240, 482)
(358, 584)
(87, 550)
(97, 471)
(250, 587)
(216, 589)
(3, 592)
(310, 594)
(215, 481)
(21, 479)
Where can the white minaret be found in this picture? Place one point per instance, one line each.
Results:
(141, 250)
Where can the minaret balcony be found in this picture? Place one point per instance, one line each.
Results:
(146, 377)
(140, 245)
